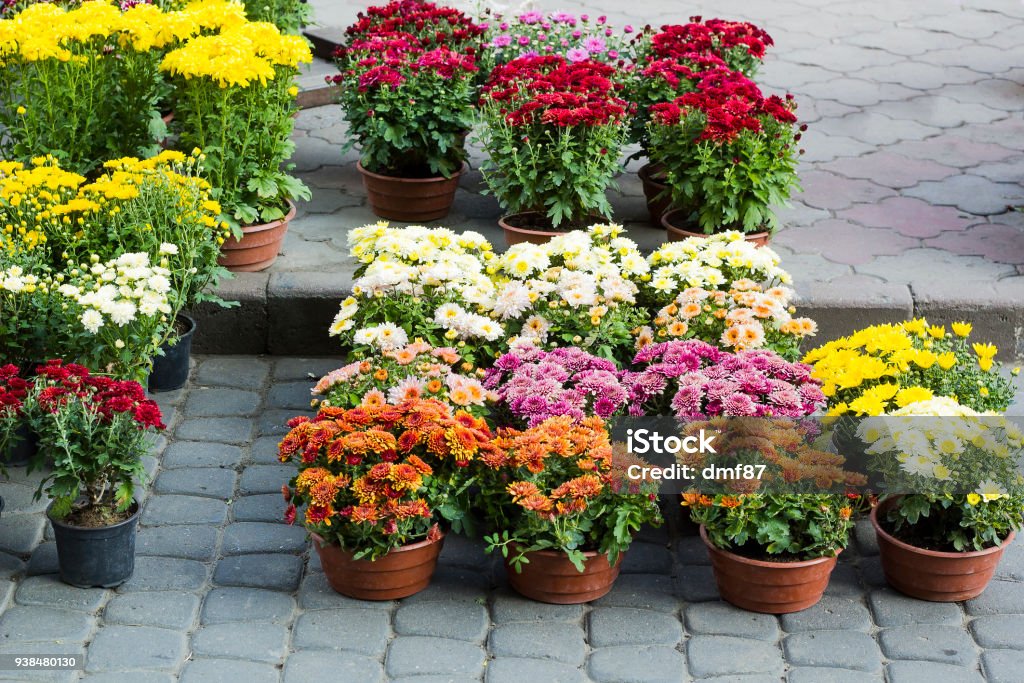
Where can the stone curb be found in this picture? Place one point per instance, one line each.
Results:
(289, 313)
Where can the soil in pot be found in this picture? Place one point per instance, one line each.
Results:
(101, 555)
(259, 246)
(550, 577)
(535, 227)
(679, 228)
(399, 574)
(170, 370)
(934, 575)
(410, 199)
(768, 587)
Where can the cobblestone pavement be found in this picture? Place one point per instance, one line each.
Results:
(913, 153)
(223, 591)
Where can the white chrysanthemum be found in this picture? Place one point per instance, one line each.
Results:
(92, 321)
(122, 312)
(512, 301)
(390, 337)
(168, 249)
(13, 284)
(447, 315)
(366, 335)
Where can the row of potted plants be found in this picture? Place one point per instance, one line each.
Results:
(94, 81)
(559, 96)
(490, 349)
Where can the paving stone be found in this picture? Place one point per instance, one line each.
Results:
(453, 583)
(908, 216)
(723, 619)
(44, 649)
(844, 649)
(275, 420)
(264, 450)
(303, 667)
(455, 620)
(1002, 666)
(188, 454)
(697, 584)
(357, 630)
(889, 170)
(516, 670)
(830, 613)
(316, 594)
(262, 537)
(643, 591)
(290, 395)
(952, 150)
(891, 608)
(232, 430)
(727, 656)
(223, 605)
(252, 641)
(627, 626)
(119, 648)
(509, 607)
(928, 268)
(417, 655)
(994, 242)
(43, 560)
(21, 533)
(969, 193)
(811, 674)
(846, 243)
(823, 190)
(242, 372)
(268, 507)
(221, 402)
(165, 574)
(929, 642)
(265, 478)
(845, 582)
(175, 610)
(18, 499)
(1001, 597)
(929, 672)
(213, 482)
(305, 368)
(129, 677)
(220, 670)
(176, 509)
(647, 558)
(277, 572)
(189, 542)
(28, 624)
(539, 640)
(49, 591)
(627, 664)
(999, 631)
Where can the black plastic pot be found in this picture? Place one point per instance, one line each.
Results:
(24, 448)
(170, 371)
(103, 556)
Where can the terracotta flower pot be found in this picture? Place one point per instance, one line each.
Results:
(531, 226)
(673, 220)
(768, 587)
(399, 574)
(930, 574)
(259, 246)
(655, 191)
(410, 200)
(551, 577)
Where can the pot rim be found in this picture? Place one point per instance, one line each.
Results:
(505, 225)
(401, 549)
(931, 553)
(260, 227)
(192, 324)
(669, 226)
(433, 179)
(57, 522)
(796, 564)
(647, 172)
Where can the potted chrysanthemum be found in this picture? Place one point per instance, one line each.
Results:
(553, 130)
(376, 483)
(95, 430)
(407, 86)
(729, 155)
(563, 510)
(235, 101)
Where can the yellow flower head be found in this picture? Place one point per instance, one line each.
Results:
(985, 350)
(962, 329)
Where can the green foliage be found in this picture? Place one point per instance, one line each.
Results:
(245, 134)
(801, 525)
(731, 185)
(290, 16)
(561, 172)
